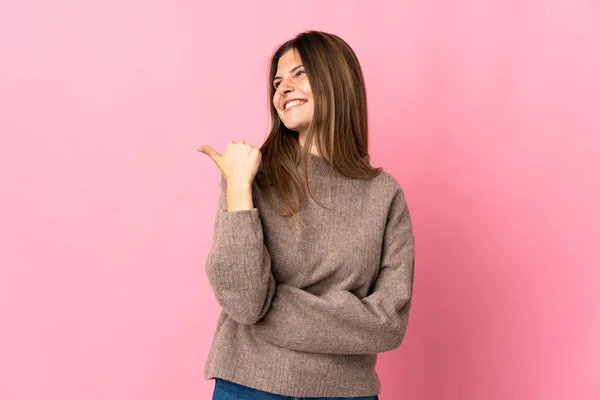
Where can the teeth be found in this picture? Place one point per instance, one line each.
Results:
(293, 103)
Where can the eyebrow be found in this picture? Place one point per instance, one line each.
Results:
(291, 70)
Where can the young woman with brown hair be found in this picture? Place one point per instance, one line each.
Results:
(312, 257)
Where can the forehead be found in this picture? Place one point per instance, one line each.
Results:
(288, 60)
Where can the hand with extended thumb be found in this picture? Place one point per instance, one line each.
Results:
(238, 164)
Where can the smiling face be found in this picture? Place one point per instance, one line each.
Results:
(293, 97)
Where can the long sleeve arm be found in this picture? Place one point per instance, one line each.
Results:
(340, 322)
(238, 264)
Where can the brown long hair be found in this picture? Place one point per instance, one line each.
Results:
(339, 125)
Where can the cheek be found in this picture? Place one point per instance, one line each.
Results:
(306, 88)
(279, 113)
(311, 105)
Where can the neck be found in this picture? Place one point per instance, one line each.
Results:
(319, 166)
(301, 141)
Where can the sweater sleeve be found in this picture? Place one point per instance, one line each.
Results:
(238, 264)
(340, 322)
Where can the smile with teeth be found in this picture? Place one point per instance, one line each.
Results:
(294, 103)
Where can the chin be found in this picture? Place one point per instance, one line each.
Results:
(294, 128)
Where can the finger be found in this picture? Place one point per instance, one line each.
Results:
(216, 157)
(212, 153)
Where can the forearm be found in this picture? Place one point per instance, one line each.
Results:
(239, 196)
(338, 323)
(238, 264)
(240, 276)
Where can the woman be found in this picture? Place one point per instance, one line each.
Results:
(312, 287)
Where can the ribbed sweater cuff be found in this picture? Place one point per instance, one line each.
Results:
(239, 226)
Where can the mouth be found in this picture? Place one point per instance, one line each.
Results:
(295, 104)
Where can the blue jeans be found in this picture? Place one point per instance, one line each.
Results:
(227, 390)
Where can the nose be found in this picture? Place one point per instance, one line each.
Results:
(285, 87)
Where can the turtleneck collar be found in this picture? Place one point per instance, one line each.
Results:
(318, 166)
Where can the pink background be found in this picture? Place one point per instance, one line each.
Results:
(487, 113)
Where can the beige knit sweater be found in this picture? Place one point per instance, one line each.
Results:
(308, 301)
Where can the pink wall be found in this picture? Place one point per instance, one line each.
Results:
(486, 112)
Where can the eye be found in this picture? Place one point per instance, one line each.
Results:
(276, 84)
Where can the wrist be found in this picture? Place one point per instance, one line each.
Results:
(238, 183)
(239, 196)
